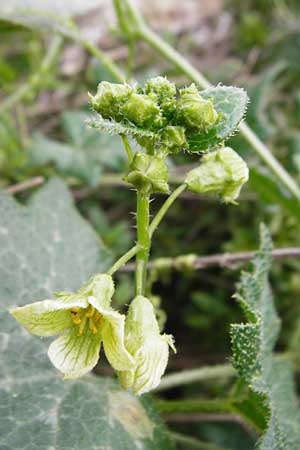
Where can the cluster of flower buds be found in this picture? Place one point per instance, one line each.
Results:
(222, 172)
(85, 319)
(172, 115)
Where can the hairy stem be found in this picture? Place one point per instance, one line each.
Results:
(161, 213)
(143, 32)
(123, 260)
(143, 240)
(145, 232)
(127, 147)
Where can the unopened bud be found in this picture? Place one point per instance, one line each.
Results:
(221, 172)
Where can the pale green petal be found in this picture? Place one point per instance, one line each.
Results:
(112, 331)
(74, 354)
(48, 317)
(100, 286)
(152, 362)
(149, 348)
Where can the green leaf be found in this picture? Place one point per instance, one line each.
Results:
(259, 114)
(41, 411)
(47, 247)
(111, 127)
(46, 15)
(253, 344)
(231, 103)
(270, 193)
(84, 153)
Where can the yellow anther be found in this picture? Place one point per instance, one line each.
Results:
(90, 312)
(94, 330)
(97, 317)
(82, 316)
(82, 325)
(76, 320)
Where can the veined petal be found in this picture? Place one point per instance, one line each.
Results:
(48, 317)
(113, 331)
(152, 362)
(74, 354)
(149, 348)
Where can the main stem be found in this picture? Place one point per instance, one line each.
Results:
(143, 241)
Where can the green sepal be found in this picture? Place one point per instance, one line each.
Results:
(142, 111)
(148, 173)
(195, 112)
(110, 98)
(173, 139)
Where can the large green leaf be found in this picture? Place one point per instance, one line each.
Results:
(47, 246)
(231, 103)
(253, 344)
(45, 15)
(83, 154)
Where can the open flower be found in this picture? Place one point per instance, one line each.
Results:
(84, 319)
(149, 348)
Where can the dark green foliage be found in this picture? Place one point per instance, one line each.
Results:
(253, 358)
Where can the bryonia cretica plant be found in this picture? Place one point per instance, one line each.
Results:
(164, 121)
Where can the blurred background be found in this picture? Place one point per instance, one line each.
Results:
(45, 78)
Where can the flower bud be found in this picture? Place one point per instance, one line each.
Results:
(194, 111)
(173, 138)
(149, 348)
(141, 110)
(161, 87)
(109, 98)
(164, 93)
(148, 173)
(221, 172)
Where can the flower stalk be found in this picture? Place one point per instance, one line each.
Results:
(143, 240)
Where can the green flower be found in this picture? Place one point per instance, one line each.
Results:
(221, 172)
(161, 87)
(194, 111)
(84, 319)
(109, 99)
(142, 111)
(149, 348)
(173, 139)
(148, 173)
(163, 92)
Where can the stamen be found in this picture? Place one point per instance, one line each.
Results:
(81, 316)
(97, 317)
(90, 312)
(92, 326)
(76, 320)
(82, 325)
